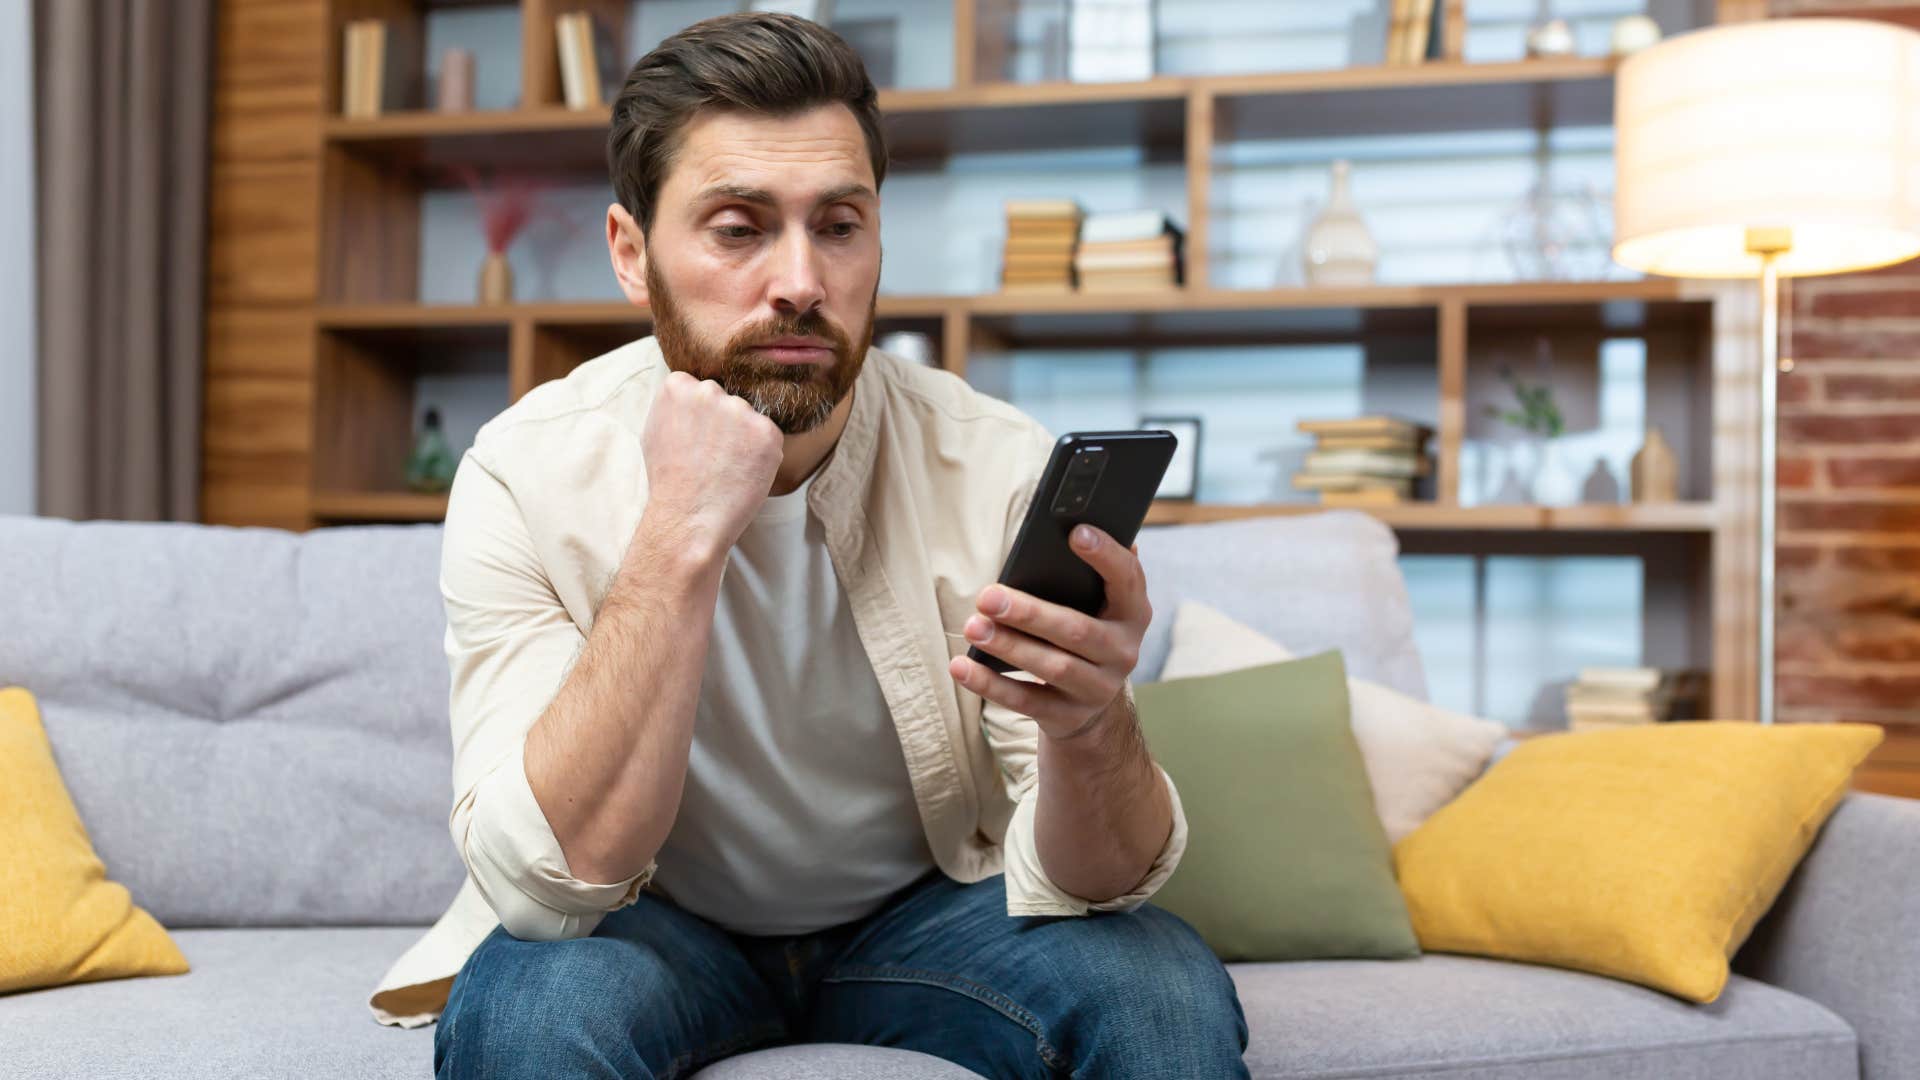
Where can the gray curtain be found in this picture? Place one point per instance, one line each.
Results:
(120, 143)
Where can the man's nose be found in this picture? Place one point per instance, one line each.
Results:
(797, 283)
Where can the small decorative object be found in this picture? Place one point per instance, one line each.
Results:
(909, 345)
(1110, 40)
(453, 89)
(506, 205)
(1551, 38)
(1631, 33)
(1555, 236)
(820, 11)
(1182, 479)
(1339, 249)
(1655, 474)
(431, 465)
(1549, 482)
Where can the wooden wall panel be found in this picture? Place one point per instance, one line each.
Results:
(263, 209)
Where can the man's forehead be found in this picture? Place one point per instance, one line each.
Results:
(819, 155)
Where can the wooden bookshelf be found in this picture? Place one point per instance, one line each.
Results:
(315, 328)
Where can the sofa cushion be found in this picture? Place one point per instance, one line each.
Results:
(1450, 1017)
(252, 722)
(266, 1003)
(1317, 582)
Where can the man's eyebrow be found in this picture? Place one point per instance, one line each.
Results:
(762, 197)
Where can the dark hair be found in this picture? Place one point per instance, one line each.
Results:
(764, 62)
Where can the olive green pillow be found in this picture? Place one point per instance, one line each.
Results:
(1286, 858)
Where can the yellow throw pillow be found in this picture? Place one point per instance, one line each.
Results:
(1645, 854)
(61, 920)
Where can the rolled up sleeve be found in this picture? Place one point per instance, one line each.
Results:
(1015, 740)
(509, 644)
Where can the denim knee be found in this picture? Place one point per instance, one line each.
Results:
(1158, 1003)
(552, 1008)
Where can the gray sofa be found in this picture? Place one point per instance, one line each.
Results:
(253, 725)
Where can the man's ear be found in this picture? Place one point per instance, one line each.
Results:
(627, 248)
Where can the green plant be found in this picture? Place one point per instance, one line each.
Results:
(1538, 413)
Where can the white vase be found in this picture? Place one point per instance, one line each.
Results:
(1554, 482)
(1339, 249)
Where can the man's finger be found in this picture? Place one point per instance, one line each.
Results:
(1118, 567)
(1081, 634)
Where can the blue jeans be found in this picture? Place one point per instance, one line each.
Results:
(657, 992)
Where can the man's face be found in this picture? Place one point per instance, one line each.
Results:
(763, 262)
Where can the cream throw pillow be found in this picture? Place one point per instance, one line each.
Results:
(1418, 756)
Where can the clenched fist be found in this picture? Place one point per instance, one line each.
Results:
(710, 461)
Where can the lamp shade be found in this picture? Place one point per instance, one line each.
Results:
(1805, 125)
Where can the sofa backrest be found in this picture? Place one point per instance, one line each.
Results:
(253, 722)
(1314, 582)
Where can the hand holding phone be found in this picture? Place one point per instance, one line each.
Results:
(1106, 479)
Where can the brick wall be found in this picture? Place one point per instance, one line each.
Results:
(1849, 527)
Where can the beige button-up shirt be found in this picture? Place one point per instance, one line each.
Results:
(920, 501)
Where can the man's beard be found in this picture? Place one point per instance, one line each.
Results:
(796, 397)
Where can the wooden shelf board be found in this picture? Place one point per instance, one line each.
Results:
(614, 312)
(555, 313)
(1677, 517)
(927, 125)
(397, 506)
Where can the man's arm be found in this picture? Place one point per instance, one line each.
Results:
(607, 760)
(570, 753)
(1104, 829)
(1103, 814)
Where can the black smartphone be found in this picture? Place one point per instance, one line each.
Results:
(1101, 478)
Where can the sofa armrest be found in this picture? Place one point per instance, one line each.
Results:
(1845, 931)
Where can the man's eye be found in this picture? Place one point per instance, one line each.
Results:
(848, 227)
(734, 232)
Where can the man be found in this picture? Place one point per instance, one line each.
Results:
(698, 597)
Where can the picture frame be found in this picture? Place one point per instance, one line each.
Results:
(1182, 481)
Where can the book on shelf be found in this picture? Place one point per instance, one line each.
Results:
(1453, 29)
(1409, 27)
(1085, 260)
(1348, 481)
(1126, 280)
(588, 61)
(1360, 426)
(1388, 463)
(1045, 209)
(1363, 497)
(1124, 226)
(373, 69)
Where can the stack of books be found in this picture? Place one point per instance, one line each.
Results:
(1366, 461)
(1131, 249)
(1603, 698)
(1617, 697)
(1041, 234)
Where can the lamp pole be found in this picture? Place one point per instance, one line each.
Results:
(1769, 244)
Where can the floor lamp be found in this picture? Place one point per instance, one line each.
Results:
(1771, 149)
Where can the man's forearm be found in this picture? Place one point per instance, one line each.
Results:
(608, 758)
(1103, 813)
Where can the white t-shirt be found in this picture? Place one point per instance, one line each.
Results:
(798, 813)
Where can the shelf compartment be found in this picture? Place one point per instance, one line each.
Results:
(365, 406)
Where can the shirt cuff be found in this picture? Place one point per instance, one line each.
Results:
(1031, 892)
(516, 862)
